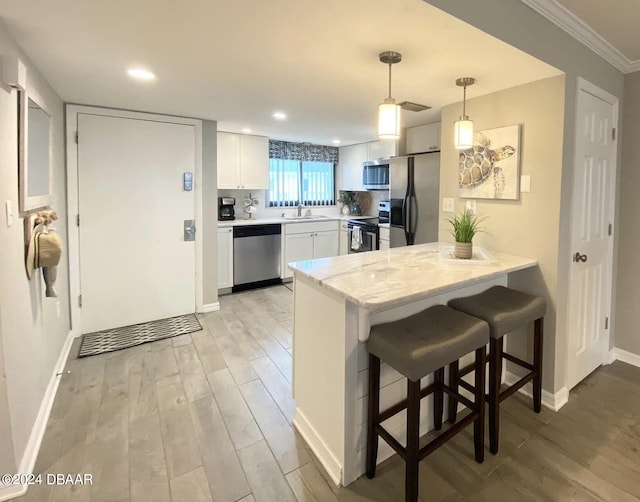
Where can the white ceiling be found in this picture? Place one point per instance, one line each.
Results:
(237, 61)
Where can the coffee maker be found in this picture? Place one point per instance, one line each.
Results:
(225, 208)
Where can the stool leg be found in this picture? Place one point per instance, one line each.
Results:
(373, 415)
(438, 399)
(413, 441)
(453, 384)
(478, 424)
(537, 365)
(495, 375)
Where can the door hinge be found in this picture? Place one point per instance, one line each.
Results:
(613, 134)
(610, 228)
(80, 301)
(77, 220)
(76, 137)
(606, 323)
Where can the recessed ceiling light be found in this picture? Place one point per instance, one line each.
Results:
(279, 115)
(246, 129)
(336, 141)
(140, 74)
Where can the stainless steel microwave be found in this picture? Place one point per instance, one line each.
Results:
(375, 175)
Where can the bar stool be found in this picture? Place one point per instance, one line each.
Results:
(415, 347)
(505, 310)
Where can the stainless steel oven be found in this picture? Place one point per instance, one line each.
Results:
(363, 235)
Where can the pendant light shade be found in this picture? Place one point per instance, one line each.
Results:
(463, 130)
(389, 111)
(388, 119)
(463, 127)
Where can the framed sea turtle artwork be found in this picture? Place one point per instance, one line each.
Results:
(490, 169)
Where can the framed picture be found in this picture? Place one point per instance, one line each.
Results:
(491, 168)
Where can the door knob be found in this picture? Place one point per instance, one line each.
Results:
(580, 258)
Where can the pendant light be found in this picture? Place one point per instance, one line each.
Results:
(389, 111)
(463, 128)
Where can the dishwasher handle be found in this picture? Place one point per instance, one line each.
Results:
(240, 231)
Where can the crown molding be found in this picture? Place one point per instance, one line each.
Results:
(585, 34)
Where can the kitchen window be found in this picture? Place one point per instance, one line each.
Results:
(300, 173)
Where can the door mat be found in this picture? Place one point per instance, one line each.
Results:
(122, 338)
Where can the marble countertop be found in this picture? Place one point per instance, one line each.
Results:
(266, 221)
(383, 279)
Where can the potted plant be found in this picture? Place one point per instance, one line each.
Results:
(348, 200)
(465, 227)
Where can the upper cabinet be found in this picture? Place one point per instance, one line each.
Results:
(424, 138)
(350, 166)
(243, 161)
(381, 149)
(352, 157)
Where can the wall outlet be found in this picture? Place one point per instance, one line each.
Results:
(447, 204)
(525, 183)
(470, 205)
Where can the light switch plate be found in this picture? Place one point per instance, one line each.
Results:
(525, 183)
(471, 206)
(447, 204)
(8, 208)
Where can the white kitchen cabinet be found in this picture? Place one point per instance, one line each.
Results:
(344, 238)
(243, 161)
(424, 138)
(381, 149)
(325, 244)
(298, 247)
(385, 237)
(308, 240)
(225, 257)
(350, 166)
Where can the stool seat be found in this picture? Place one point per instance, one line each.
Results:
(504, 309)
(421, 344)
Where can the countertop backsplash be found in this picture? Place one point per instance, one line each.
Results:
(274, 212)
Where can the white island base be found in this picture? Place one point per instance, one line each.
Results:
(336, 300)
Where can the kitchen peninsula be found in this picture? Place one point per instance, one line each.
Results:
(336, 300)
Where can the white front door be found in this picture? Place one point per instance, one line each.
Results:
(592, 223)
(134, 263)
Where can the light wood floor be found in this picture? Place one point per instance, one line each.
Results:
(207, 416)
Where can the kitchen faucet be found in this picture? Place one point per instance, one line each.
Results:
(300, 207)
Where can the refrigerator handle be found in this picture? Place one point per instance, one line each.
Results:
(413, 221)
(406, 208)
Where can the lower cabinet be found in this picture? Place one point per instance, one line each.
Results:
(307, 241)
(225, 257)
(385, 237)
(344, 238)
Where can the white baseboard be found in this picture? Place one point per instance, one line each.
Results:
(626, 357)
(37, 431)
(326, 458)
(209, 307)
(611, 356)
(552, 401)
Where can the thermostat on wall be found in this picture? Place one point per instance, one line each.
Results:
(188, 181)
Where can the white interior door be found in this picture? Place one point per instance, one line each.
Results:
(134, 263)
(592, 215)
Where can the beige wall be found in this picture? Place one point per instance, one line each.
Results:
(31, 331)
(627, 335)
(517, 24)
(529, 226)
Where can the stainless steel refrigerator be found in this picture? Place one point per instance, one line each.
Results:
(414, 186)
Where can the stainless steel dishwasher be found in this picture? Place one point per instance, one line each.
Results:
(256, 256)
